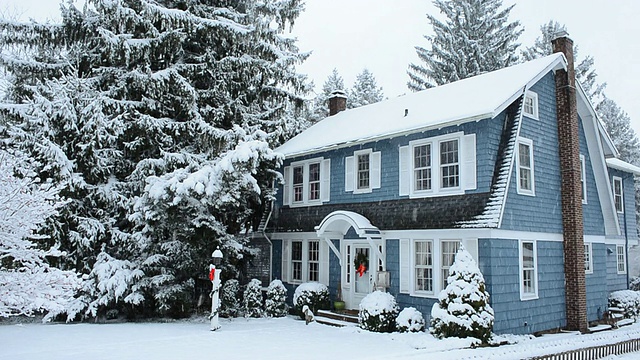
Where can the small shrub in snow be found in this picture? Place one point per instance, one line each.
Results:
(634, 283)
(313, 294)
(378, 312)
(253, 299)
(463, 308)
(229, 302)
(627, 300)
(410, 320)
(276, 304)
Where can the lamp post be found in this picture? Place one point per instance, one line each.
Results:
(214, 276)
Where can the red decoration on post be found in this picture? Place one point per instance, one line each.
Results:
(361, 269)
(212, 274)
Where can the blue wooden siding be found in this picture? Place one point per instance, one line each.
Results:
(499, 263)
(597, 293)
(615, 281)
(591, 211)
(542, 212)
(629, 204)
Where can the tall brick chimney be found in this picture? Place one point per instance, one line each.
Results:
(337, 102)
(571, 188)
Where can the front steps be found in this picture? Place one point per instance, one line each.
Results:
(342, 319)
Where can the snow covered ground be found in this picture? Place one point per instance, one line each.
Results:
(284, 338)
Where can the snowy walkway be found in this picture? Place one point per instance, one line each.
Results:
(253, 339)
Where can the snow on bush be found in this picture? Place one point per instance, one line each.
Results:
(634, 283)
(463, 308)
(253, 299)
(410, 320)
(627, 300)
(378, 312)
(229, 302)
(313, 294)
(28, 283)
(276, 303)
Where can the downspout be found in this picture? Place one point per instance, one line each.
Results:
(626, 235)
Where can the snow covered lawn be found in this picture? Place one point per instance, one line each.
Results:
(283, 338)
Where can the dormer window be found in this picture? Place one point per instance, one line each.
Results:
(530, 107)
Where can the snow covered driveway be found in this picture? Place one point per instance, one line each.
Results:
(284, 338)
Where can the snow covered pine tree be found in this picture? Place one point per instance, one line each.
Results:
(365, 91)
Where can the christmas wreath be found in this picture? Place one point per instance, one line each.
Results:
(360, 263)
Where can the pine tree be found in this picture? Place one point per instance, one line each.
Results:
(475, 38)
(229, 302)
(463, 308)
(253, 299)
(618, 125)
(30, 284)
(186, 100)
(320, 105)
(276, 303)
(585, 72)
(365, 91)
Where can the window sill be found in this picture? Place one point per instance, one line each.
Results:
(424, 295)
(528, 297)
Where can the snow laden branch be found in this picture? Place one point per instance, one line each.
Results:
(28, 283)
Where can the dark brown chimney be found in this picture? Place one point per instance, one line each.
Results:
(337, 102)
(571, 188)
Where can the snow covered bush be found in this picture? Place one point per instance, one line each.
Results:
(634, 283)
(28, 283)
(313, 294)
(627, 300)
(378, 312)
(253, 299)
(229, 302)
(410, 320)
(276, 303)
(463, 308)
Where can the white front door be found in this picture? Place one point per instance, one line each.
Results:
(359, 279)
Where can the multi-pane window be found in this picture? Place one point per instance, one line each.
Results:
(363, 171)
(588, 259)
(423, 266)
(449, 250)
(531, 105)
(314, 181)
(348, 268)
(314, 260)
(583, 177)
(449, 165)
(422, 167)
(617, 194)
(298, 183)
(525, 168)
(296, 260)
(621, 259)
(528, 279)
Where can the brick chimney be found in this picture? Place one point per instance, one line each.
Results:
(337, 102)
(571, 188)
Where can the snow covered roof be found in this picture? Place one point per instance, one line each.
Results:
(340, 221)
(476, 98)
(623, 166)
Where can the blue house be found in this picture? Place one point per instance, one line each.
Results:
(512, 164)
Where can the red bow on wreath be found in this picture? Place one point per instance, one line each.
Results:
(212, 274)
(361, 270)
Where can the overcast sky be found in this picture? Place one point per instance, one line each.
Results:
(380, 35)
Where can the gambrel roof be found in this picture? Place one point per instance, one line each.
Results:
(472, 99)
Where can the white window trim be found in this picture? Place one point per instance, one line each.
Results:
(436, 181)
(624, 259)
(288, 263)
(520, 190)
(613, 183)
(527, 296)
(583, 178)
(436, 246)
(351, 171)
(589, 265)
(305, 185)
(534, 97)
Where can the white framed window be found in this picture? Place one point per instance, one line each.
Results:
(621, 259)
(307, 182)
(528, 270)
(524, 166)
(305, 260)
(583, 178)
(438, 166)
(423, 266)
(362, 171)
(588, 258)
(530, 107)
(347, 272)
(449, 248)
(618, 197)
